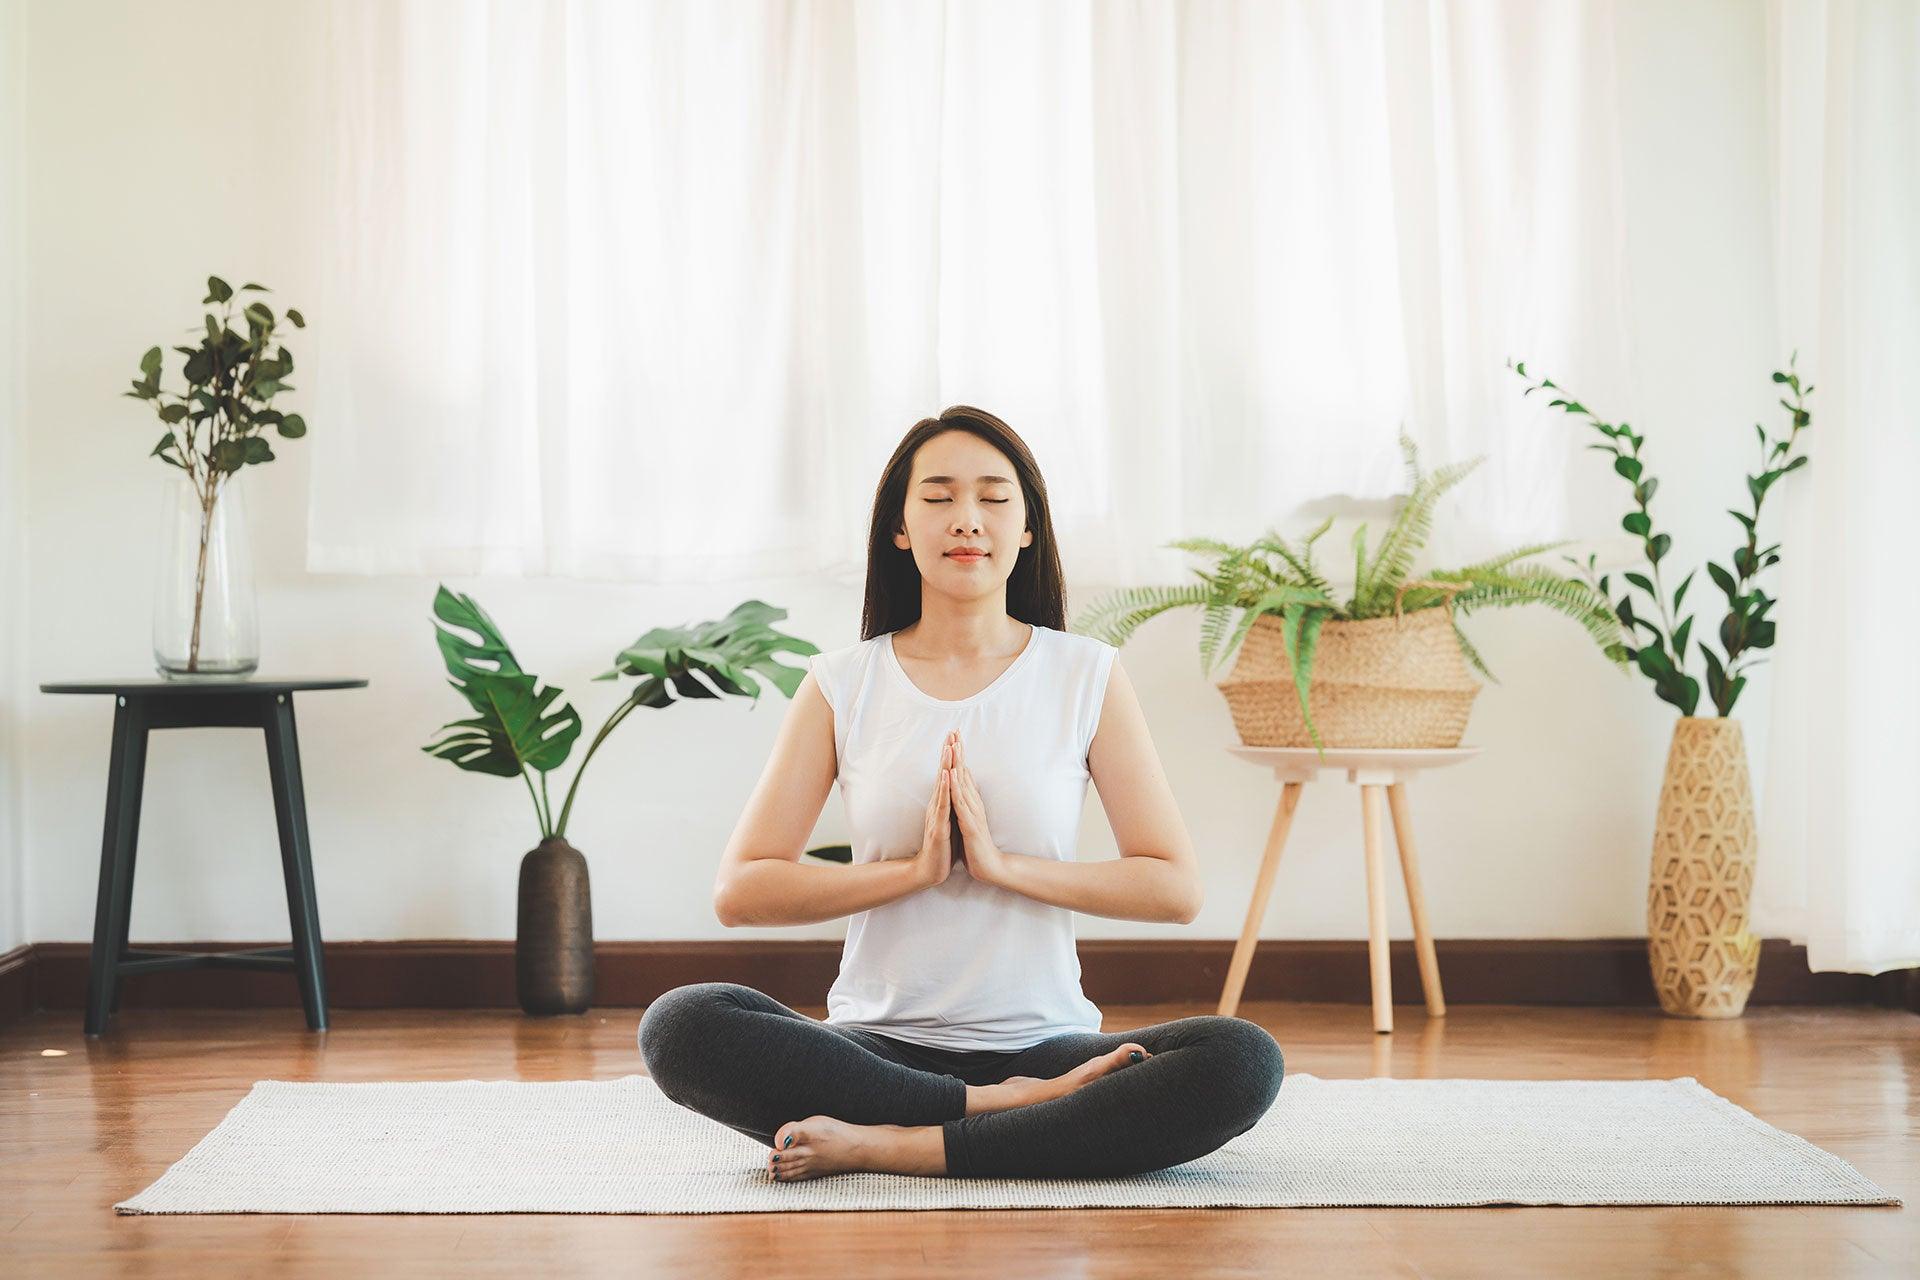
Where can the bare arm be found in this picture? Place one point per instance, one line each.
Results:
(762, 880)
(1156, 876)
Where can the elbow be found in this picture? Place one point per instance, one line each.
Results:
(1190, 910)
(723, 907)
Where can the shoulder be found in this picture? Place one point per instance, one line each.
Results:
(845, 654)
(837, 669)
(1087, 648)
(836, 657)
(1090, 654)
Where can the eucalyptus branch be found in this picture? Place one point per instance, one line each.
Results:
(215, 383)
(1746, 625)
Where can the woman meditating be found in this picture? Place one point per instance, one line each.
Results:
(962, 731)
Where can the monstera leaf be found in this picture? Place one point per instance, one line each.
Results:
(467, 661)
(514, 728)
(724, 651)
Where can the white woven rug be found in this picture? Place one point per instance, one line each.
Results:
(621, 1146)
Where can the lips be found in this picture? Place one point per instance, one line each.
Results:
(966, 555)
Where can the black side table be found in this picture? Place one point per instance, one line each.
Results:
(143, 705)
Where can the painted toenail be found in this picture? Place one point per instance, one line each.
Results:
(1134, 1056)
(789, 1141)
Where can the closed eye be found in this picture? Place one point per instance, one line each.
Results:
(950, 499)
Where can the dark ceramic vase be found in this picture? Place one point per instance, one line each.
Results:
(553, 938)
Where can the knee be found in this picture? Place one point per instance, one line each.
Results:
(674, 1019)
(1250, 1068)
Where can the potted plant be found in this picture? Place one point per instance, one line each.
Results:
(1387, 666)
(1703, 958)
(203, 618)
(517, 731)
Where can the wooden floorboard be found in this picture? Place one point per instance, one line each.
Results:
(80, 1132)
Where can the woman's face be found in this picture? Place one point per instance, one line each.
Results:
(962, 491)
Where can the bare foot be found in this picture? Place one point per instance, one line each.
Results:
(1021, 1091)
(821, 1145)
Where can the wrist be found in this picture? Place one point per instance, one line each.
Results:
(1000, 871)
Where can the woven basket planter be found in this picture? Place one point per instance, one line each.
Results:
(1398, 681)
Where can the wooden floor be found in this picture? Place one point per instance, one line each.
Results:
(79, 1132)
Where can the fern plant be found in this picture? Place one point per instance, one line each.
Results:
(1272, 576)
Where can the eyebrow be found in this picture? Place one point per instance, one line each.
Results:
(949, 480)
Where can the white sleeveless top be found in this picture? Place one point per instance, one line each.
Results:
(964, 965)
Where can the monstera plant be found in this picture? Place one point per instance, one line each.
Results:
(522, 729)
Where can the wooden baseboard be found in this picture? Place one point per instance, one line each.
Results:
(460, 975)
(17, 996)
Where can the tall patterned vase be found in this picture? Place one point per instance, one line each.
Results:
(1703, 958)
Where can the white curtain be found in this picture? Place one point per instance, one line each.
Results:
(650, 290)
(1840, 848)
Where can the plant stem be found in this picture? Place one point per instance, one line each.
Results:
(200, 572)
(1753, 565)
(537, 811)
(619, 714)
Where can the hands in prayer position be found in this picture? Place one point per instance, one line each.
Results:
(957, 806)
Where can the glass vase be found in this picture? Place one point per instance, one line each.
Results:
(204, 621)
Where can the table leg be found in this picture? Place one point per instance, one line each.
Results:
(1416, 901)
(1377, 908)
(126, 916)
(296, 858)
(1257, 908)
(126, 773)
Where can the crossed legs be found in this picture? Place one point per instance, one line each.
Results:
(830, 1098)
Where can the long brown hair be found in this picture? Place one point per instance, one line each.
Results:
(1036, 589)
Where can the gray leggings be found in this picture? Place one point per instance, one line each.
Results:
(746, 1060)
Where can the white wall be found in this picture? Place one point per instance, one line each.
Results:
(13, 518)
(135, 197)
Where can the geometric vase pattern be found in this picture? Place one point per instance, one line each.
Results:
(1703, 958)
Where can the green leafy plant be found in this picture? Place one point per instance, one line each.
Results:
(1746, 627)
(1271, 576)
(218, 424)
(517, 731)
